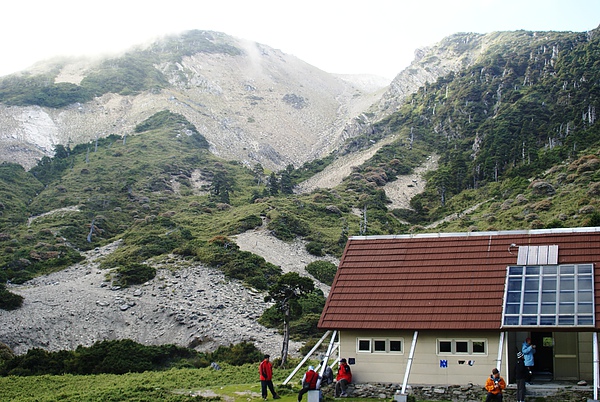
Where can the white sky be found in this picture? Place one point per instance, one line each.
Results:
(338, 36)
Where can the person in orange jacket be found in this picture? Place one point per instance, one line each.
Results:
(344, 377)
(494, 386)
(265, 369)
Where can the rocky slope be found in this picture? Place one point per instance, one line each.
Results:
(451, 54)
(187, 303)
(261, 106)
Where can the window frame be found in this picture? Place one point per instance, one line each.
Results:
(453, 346)
(374, 341)
(358, 345)
(387, 345)
(560, 296)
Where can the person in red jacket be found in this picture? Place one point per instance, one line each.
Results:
(310, 381)
(265, 369)
(344, 377)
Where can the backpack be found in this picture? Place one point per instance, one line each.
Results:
(327, 376)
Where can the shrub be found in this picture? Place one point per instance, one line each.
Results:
(9, 300)
(223, 253)
(134, 274)
(5, 353)
(323, 271)
(287, 227)
(312, 302)
(305, 326)
(247, 223)
(271, 317)
(110, 357)
(237, 355)
(315, 248)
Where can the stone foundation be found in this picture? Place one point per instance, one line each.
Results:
(466, 393)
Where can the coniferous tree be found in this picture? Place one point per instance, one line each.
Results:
(285, 293)
(273, 184)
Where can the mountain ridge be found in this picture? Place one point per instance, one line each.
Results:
(258, 105)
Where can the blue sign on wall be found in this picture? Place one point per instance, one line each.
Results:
(443, 363)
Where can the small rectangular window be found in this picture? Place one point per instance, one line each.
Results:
(378, 345)
(479, 347)
(364, 345)
(462, 347)
(445, 346)
(395, 346)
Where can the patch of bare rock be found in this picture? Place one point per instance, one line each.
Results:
(186, 304)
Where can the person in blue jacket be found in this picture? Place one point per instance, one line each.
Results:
(528, 351)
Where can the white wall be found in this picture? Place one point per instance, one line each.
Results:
(390, 367)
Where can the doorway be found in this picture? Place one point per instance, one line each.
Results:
(543, 369)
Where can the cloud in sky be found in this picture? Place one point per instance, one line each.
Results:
(339, 36)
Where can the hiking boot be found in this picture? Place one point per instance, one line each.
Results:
(276, 397)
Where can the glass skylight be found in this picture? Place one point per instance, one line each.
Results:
(549, 296)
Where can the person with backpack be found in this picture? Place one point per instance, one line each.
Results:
(520, 374)
(344, 377)
(310, 381)
(327, 375)
(265, 369)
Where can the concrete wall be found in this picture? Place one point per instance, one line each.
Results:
(427, 365)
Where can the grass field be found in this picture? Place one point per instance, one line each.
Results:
(230, 384)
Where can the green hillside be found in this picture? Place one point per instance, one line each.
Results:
(523, 115)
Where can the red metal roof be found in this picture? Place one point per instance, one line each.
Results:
(440, 281)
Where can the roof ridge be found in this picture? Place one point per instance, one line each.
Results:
(592, 229)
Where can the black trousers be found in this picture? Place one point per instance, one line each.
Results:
(340, 387)
(303, 391)
(493, 397)
(264, 384)
(521, 390)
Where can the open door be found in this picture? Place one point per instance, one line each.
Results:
(543, 369)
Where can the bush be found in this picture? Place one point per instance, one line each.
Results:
(271, 317)
(315, 248)
(5, 353)
(287, 227)
(106, 357)
(9, 300)
(238, 354)
(323, 271)
(305, 326)
(134, 274)
(312, 302)
(222, 253)
(247, 223)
